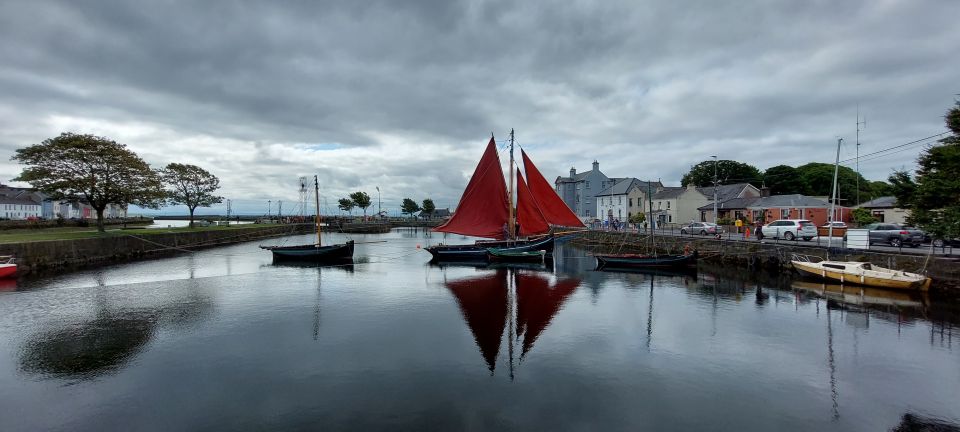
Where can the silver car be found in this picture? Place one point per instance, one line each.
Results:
(702, 228)
(789, 229)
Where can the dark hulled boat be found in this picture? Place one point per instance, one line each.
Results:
(646, 261)
(484, 211)
(335, 253)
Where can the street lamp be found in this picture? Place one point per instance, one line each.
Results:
(379, 209)
(714, 189)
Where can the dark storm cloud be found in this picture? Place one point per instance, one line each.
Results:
(403, 94)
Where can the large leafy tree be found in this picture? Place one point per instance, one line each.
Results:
(362, 200)
(429, 207)
(935, 202)
(191, 186)
(409, 206)
(784, 180)
(346, 204)
(95, 169)
(728, 172)
(818, 177)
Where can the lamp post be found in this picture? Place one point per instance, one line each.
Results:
(379, 209)
(714, 189)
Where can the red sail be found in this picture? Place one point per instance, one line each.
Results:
(482, 211)
(553, 208)
(529, 218)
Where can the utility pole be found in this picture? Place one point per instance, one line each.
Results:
(279, 209)
(379, 209)
(714, 189)
(864, 123)
(269, 208)
(228, 210)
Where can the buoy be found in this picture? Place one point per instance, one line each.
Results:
(418, 246)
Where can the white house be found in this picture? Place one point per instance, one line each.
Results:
(19, 208)
(624, 198)
(885, 209)
(678, 204)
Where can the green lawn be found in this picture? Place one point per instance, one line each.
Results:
(32, 235)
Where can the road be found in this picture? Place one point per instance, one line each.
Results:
(816, 241)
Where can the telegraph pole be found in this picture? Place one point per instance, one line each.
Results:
(269, 208)
(714, 189)
(379, 209)
(833, 202)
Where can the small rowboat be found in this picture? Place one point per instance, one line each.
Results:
(8, 266)
(508, 255)
(859, 273)
(329, 253)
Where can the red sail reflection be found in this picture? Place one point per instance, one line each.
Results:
(485, 304)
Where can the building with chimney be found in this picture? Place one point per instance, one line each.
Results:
(580, 190)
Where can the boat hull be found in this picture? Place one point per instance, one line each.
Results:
(813, 270)
(478, 252)
(331, 253)
(648, 262)
(497, 255)
(8, 271)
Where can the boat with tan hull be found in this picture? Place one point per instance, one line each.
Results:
(860, 273)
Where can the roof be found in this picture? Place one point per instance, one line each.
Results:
(724, 192)
(18, 201)
(444, 212)
(785, 201)
(669, 192)
(882, 202)
(622, 186)
(735, 203)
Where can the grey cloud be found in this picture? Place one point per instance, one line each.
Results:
(647, 88)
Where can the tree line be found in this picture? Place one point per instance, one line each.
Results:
(410, 206)
(814, 178)
(100, 172)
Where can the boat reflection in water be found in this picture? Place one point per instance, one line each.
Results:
(521, 302)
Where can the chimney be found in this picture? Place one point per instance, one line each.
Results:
(596, 165)
(764, 192)
(573, 172)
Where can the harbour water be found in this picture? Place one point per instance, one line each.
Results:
(224, 339)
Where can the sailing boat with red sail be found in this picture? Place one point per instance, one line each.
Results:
(485, 210)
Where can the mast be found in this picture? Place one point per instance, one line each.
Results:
(316, 193)
(653, 246)
(512, 222)
(833, 202)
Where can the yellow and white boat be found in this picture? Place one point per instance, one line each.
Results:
(860, 273)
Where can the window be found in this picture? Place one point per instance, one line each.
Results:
(668, 205)
(669, 218)
(588, 185)
(784, 213)
(659, 205)
(620, 199)
(878, 214)
(630, 202)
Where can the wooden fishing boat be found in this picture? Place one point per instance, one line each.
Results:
(859, 273)
(314, 252)
(478, 251)
(497, 254)
(645, 261)
(485, 210)
(8, 266)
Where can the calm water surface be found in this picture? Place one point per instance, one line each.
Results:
(224, 339)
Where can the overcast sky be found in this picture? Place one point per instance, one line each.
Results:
(404, 94)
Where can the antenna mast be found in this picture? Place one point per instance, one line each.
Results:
(303, 196)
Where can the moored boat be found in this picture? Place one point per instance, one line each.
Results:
(497, 254)
(645, 261)
(316, 252)
(485, 210)
(8, 266)
(860, 273)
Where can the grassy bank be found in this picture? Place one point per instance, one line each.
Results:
(73, 233)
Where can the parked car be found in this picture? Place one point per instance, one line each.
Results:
(702, 228)
(953, 242)
(789, 229)
(836, 224)
(894, 235)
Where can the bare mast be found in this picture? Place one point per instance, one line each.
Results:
(316, 193)
(512, 222)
